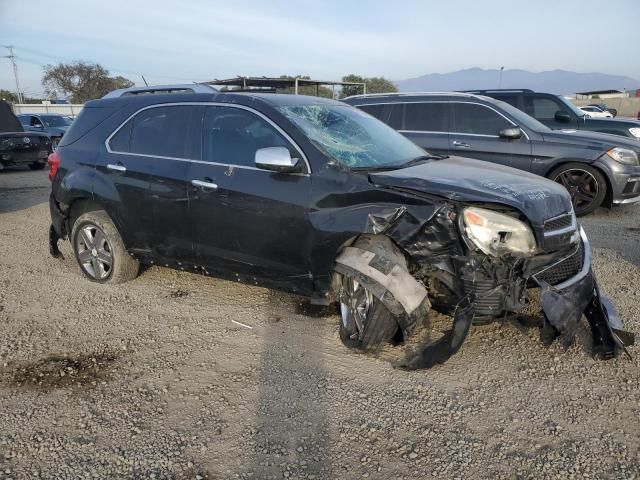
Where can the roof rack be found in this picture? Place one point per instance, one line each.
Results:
(179, 88)
(409, 94)
(494, 90)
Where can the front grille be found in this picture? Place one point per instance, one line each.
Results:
(558, 223)
(565, 269)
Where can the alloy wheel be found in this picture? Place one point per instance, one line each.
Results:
(355, 303)
(581, 185)
(94, 252)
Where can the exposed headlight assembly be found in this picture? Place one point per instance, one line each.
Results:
(635, 131)
(497, 234)
(623, 155)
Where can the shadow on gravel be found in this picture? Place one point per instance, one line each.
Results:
(58, 371)
(292, 437)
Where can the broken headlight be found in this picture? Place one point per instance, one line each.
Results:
(497, 234)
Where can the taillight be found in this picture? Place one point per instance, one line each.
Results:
(54, 162)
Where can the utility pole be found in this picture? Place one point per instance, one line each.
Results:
(500, 83)
(12, 57)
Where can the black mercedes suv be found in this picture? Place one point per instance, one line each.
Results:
(315, 197)
(595, 168)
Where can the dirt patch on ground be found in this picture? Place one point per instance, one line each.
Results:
(59, 371)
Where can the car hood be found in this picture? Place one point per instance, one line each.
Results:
(604, 141)
(468, 180)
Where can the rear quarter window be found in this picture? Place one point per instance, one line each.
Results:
(88, 119)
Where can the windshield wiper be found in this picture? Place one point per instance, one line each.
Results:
(422, 158)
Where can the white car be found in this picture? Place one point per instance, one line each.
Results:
(595, 112)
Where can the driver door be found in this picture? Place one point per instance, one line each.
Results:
(246, 220)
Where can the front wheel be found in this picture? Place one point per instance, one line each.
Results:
(365, 323)
(100, 251)
(586, 185)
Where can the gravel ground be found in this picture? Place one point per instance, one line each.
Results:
(153, 379)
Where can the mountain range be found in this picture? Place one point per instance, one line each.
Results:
(554, 81)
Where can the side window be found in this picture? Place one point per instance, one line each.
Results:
(510, 99)
(24, 121)
(232, 136)
(477, 119)
(426, 117)
(542, 108)
(163, 131)
(373, 110)
(35, 122)
(121, 140)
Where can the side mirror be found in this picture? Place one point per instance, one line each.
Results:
(511, 133)
(563, 117)
(277, 159)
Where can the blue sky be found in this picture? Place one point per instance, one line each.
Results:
(177, 41)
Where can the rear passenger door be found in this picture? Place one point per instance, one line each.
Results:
(148, 164)
(427, 124)
(249, 221)
(475, 133)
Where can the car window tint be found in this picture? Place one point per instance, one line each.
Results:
(477, 119)
(24, 121)
(35, 122)
(232, 136)
(543, 108)
(510, 99)
(166, 132)
(120, 141)
(426, 117)
(373, 110)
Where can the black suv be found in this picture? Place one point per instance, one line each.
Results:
(557, 113)
(18, 147)
(315, 197)
(596, 168)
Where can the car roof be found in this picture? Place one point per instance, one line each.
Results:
(244, 98)
(402, 97)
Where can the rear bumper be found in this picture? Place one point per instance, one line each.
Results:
(21, 158)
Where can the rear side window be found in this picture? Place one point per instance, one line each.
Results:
(542, 108)
(25, 121)
(232, 136)
(510, 99)
(471, 118)
(373, 110)
(396, 112)
(162, 131)
(426, 117)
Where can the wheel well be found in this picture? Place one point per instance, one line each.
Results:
(608, 199)
(77, 208)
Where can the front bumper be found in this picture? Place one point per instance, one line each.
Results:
(624, 179)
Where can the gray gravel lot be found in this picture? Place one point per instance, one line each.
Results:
(152, 379)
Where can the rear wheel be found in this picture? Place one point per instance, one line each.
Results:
(100, 251)
(586, 185)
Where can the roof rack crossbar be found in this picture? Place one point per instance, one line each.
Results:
(408, 94)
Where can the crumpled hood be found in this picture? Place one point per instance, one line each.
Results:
(468, 180)
(601, 141)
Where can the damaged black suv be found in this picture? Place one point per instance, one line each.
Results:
(315, 197)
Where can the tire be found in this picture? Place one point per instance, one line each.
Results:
(586, 185)
(37, 166)
(378, 325)
(100, 251)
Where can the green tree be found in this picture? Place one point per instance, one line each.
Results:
(374, 85)
(81, 81)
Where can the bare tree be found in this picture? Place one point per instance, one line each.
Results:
(81, 81)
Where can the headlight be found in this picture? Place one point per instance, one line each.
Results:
(635, 131)
(497, 234)
(624, 155)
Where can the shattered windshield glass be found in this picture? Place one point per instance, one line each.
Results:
(352, 137)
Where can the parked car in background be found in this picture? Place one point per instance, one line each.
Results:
(53, 124)
(18, 147)
(595, 112)
(557, 113)
(312, 196)
(595, 168)
(605, 108)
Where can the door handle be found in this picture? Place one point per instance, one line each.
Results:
(203, 184)
(117, 167)
(459, 144)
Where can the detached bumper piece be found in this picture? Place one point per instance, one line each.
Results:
(53, 243)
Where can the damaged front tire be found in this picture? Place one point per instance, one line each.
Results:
(365, 322)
